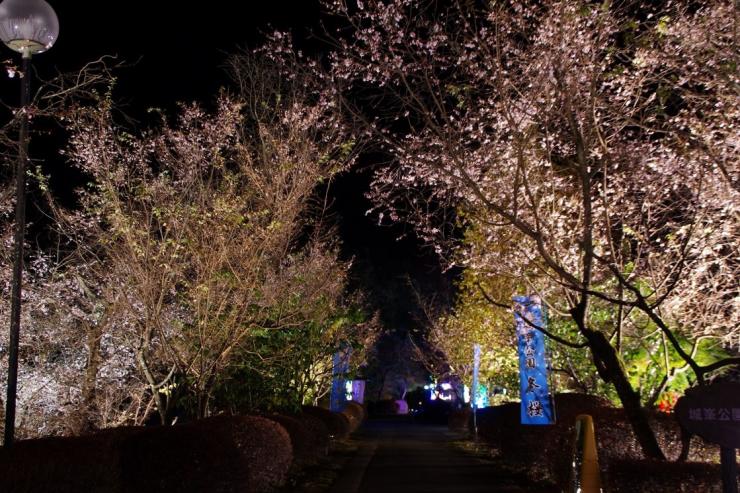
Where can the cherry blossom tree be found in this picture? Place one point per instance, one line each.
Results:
(191, 238)
(74, 372)
(201, 224)
(600, 138)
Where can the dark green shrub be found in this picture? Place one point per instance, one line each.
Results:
(222, 454)
(547, 450)
(386, 407)
(318, 433)
(190, 458)
(649, 476)
(262, 447)
(355, 414)
(62, 465)
(460, 419)
(304, 450)
(337, 423)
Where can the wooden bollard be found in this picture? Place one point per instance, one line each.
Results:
(585, 477)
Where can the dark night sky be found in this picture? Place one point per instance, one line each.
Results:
(179, 49)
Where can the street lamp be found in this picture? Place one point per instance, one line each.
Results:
(28, 27)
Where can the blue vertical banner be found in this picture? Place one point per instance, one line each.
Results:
(340, 368)
(537, 408)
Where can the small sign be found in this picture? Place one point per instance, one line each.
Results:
(358, 391)
(712, 412)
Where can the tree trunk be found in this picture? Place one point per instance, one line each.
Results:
(93, 332)
(153, 386)
(608, 362)
(382, 385)
(202, 405)
(203, 398)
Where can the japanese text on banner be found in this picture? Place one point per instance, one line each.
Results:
(537, 408)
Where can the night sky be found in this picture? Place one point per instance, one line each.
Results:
(177, 51)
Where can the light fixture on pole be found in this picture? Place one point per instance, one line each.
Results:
(28, 27)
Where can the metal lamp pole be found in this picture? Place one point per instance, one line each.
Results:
(28, 27)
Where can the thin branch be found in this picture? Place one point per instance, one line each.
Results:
(528, 322)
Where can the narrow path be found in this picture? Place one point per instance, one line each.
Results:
(401, 456)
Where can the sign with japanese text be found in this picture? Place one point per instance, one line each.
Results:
(340, 368)
(537, 408)
(712, 412)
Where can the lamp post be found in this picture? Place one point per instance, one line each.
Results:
(28, 27)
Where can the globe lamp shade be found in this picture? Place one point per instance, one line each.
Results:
(28, 26)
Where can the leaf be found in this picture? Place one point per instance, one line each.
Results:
(662, 25)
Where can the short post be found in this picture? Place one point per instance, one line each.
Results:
(585, 477)
(728, 459)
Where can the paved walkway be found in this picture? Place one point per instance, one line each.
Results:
(400, 456)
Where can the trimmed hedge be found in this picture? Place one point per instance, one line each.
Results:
(221, 454)
(460, 419)
(648, 476)
(63, 465)
(305, 451)
(181, 458)
(386, 407)
(355, 414)
(262, 446)
(337, 423)
(547, 450)
(318, 432)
